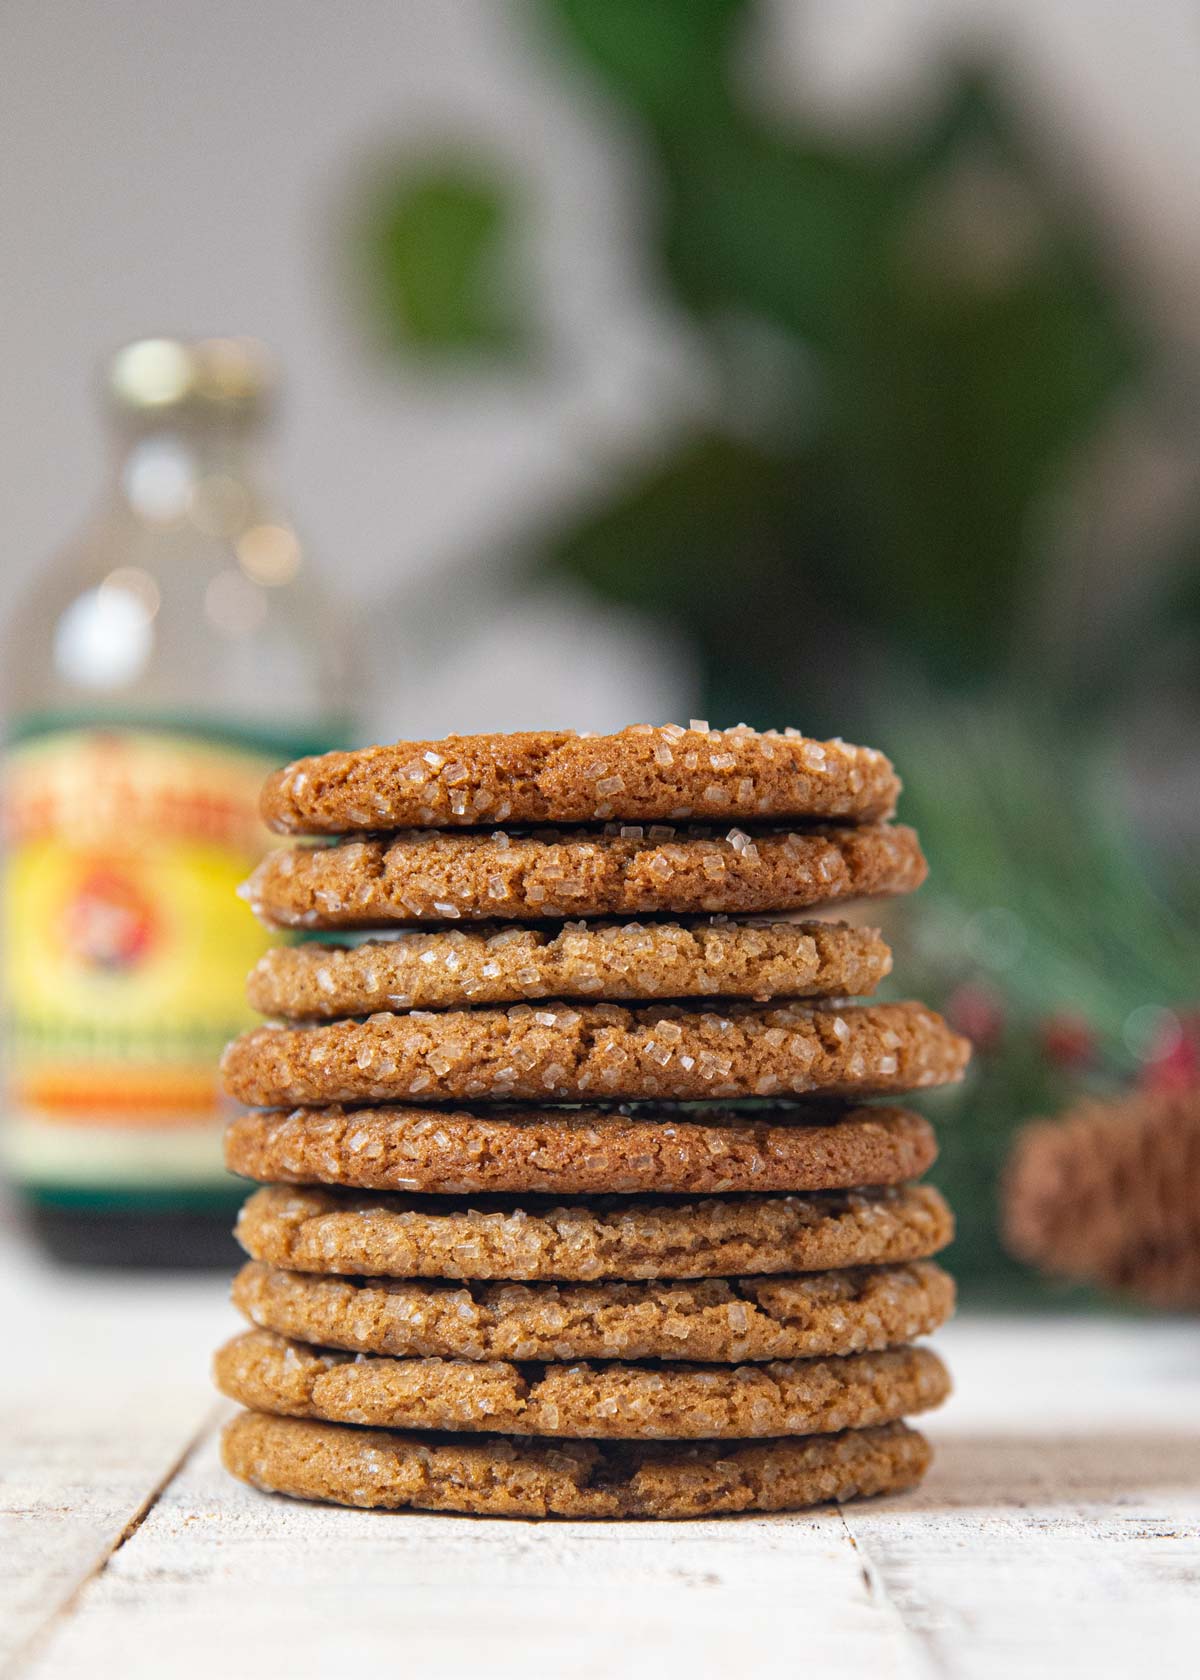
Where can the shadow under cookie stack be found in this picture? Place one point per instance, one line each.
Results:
(574, 1201)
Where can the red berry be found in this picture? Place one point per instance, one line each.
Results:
(1067, 1039)
(978, 1012)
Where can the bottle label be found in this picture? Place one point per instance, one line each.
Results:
(125, 956)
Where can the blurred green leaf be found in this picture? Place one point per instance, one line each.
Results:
(964, 343)
(665, 58)
(785, 229)
(716, 537)
(912, 342)
(439, 247)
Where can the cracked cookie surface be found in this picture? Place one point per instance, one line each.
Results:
(579, 1152)
(451, 967)
(644, 772)
(270, 1373)
(598, 1051)
(726, 1320)
(421, 876)
(498, 1477)
(619, 1237)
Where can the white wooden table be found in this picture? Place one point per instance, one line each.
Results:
(1058, 1534)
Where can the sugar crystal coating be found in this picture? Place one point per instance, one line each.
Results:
(502, 1477)
(765, 1314)
(620, 1237)
(417, 876)
(598, 1051)
(855, 1310)
(580, 1152)
(644, 772)
(683, 1401)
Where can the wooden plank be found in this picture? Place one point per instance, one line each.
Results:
(105, 1383)
(296, 1588)
(1059, 1531)
(1037, 1554)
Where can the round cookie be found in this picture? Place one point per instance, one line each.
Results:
(619, 1237)
(269, 1373)
(449, 967)
(725, 1320)
(422, 875)
(497, 1477)
(579, 1152)
(598, 1050)
(644, 773)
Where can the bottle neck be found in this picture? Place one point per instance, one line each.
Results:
(178, 466)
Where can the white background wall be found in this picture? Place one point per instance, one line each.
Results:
(189, 167)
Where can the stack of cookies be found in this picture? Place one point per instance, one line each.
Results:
(575, 1199)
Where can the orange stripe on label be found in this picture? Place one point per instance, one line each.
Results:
(156, 1097)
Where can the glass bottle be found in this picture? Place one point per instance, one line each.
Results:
(154, 673)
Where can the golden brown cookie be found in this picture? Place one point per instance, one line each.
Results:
(498, 1477)
(727, 1320)
(579, 1152)
(644, 773)
(598, 1050)
(425, 876)
(622, 1237)
(449, 967)
(269, 1373)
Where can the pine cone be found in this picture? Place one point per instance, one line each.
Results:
(1110, 1195)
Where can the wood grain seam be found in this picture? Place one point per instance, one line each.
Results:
(32, 1647)
(918, 1659)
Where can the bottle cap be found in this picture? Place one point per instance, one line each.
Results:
(154, 375)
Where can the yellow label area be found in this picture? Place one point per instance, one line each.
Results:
(125, 947)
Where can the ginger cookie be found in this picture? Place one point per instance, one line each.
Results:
(598, 1050)
(419, 875)
(724, 1320)
(644, 773)
(498, 1477)
(269, 1373)
(618, 1237)
(579, 1152)
(450, 967)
